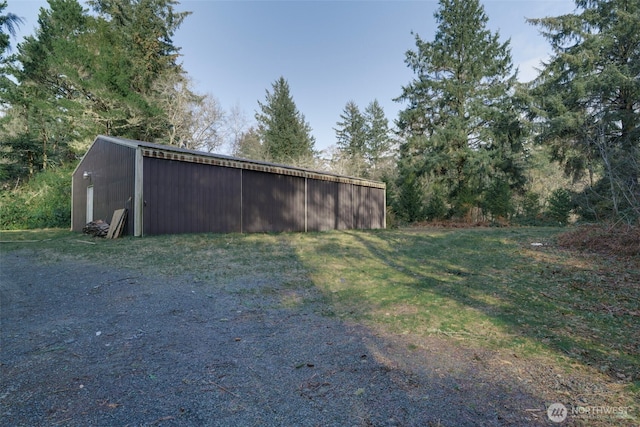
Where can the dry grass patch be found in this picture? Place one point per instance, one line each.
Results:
(613, 240)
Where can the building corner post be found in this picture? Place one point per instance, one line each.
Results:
(384, 206)
(138, 198)
(72, 193)
(306, 201)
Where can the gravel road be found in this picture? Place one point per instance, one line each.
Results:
(84, 344)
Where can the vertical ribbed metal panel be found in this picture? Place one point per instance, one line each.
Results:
(322, 205)
(345, 206)
(183, 197)
(359, 208)
(112, 169)
(272, 202)
(379, 208)
(368, 207)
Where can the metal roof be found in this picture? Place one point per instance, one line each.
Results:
(171, 152)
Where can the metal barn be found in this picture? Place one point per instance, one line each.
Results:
(169, 190)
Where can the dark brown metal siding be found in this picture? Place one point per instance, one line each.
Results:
(112, 169)
(183, 197)
(345, 202)
(360, 207)
(192, 196)
(368, 203)
(322, 205)
(272, 202)
(377, 207)
(333, 205)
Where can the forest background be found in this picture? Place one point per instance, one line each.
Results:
(471, 143)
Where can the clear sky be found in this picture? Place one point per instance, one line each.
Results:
(330, 52)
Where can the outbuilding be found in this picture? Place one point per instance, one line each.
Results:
(170, 190)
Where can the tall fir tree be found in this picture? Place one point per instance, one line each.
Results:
(135, 41)
(588, 96)
(351, 133)
(351, 137)
(85, 73)
(454, 125)
(9, 24)
(363, 140)
(378, 145)
(40, 106)
(286, 136)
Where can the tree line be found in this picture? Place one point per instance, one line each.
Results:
(470, 131)
(466, 146)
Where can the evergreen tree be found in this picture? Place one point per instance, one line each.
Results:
(82, 74)
(351, 136)
(461, 129)
(9, 22)
(589, 97)
(409, 204)
(248, 146)
(40, 109)
(364, 139)
(144, 29)
(378, 141)
(285, 134)
(134, 38)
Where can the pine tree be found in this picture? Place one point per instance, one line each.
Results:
(378, 141)
(454, 125)
(9, 23)
(589, 97)
(409, 204)
(285, 134)
(42, 113)
(351, 134)
(134, 38)
(82, 74)
(364, 139)
(248, 146)
(351, 137)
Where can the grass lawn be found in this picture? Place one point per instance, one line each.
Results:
(504, 289)
(486, 285)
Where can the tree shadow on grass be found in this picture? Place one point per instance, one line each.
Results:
(576, 306)
(493, 285)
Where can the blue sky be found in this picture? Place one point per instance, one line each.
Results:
(330, 52)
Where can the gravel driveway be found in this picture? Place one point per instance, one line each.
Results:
(84, 344)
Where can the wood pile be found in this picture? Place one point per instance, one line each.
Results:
(97, 228)
(100, 228)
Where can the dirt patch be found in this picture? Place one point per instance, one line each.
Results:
(86, 344)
